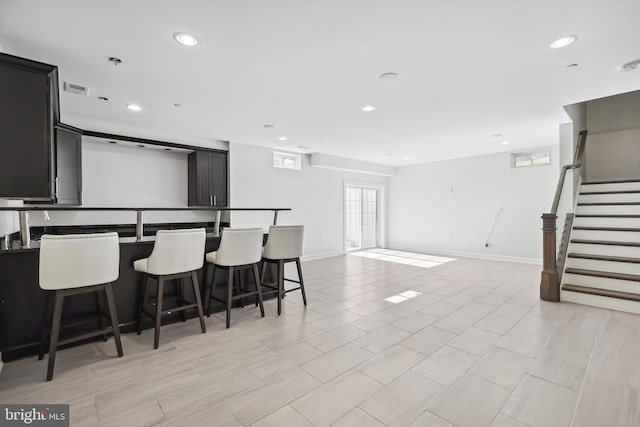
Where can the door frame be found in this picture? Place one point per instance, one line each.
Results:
(381, 207)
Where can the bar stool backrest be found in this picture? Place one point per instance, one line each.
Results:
(177, 251)
(239, 246)
(284, 242)
(78, 260)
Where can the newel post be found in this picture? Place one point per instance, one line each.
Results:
(549, 286)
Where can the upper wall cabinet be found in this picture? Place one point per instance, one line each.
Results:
(68, 162)
(28, 111)
(208, 185)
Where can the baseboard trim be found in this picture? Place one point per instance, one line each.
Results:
(537, 261)
(322, 255)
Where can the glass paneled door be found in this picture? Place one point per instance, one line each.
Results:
(361, 215)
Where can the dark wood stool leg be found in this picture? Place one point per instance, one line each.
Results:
(229, 295)
(196, 292)
(113, 314)
(263, 271)
(210, 293)
(180, 292)
(55, 332)
(143, 301)
(102, 312)
(256, 276)
(47, 325)
(240, 286)
(280, 284)
(156, 340)
(304, 295)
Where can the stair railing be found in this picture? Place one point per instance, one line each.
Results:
(550, 278)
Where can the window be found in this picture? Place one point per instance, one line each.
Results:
(286, 161)
(521, 160)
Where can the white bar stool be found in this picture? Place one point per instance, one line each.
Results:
(284, 245)
(240, 248)
(176, 254)
(76, 264)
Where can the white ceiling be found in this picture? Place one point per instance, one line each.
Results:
(467, 69)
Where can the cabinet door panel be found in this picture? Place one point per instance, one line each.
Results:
(219, 178)
(25, 134)
(68, 167)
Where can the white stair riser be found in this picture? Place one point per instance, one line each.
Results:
(602, 283)
(606, 266)
(613, 236)
(622, 186)
(607, 250)
(608, 210)
(609, 198)
(600, 301)
(607, 222)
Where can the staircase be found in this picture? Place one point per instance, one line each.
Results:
(602, 267)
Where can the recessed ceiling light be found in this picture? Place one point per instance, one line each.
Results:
(103, 98)
(574, 65)
(563, 41)
(496, 135)
(134, 107)
(368, 108)
(629, 66)
(303, 147)
(405, 158)
(185, 39)
(388, 76)
(282, 138)
(177, 105)
(140, 145)
(167, 149)
(269, 126)
(389, 154)
(112, 142)
(504, 143)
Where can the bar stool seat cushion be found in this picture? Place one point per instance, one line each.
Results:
(78, 260)
(189, 244)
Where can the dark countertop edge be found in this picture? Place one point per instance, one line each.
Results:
(35, 245)
(80, 208)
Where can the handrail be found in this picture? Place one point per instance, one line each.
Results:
(23, 212)
(577, 163)
(549, 282)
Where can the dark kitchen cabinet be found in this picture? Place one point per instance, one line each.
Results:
(68, 156)
(29, 108)
(208, 178)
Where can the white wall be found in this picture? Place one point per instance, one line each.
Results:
(613, 155)
(314, 194)
(425, 215)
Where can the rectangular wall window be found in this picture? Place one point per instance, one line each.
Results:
(521, 160)
(286, 161)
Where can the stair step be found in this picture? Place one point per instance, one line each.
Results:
(607, 221)
(624, 251)
(605, 274)
(618, 181)
(605, 242)
(586, 188)
(609, 192)
(608, 210)
(605, 257)
(606, 216)
(610, 198)
(603, 265)
(602, 282)
(607, 229)
(608, 203)
(601, 292)
(606, 235)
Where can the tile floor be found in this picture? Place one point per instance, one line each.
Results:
(467, 343)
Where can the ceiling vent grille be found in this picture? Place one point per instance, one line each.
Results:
(76, 89)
